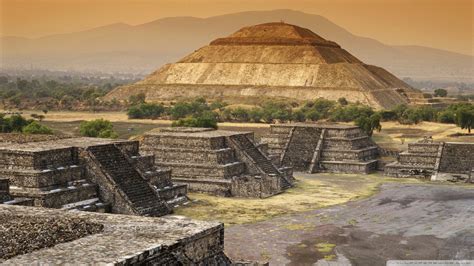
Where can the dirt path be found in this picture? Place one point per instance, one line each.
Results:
(403, 221)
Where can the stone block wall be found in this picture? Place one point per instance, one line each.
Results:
(435, 160)
(322, 147)
(4, 190)
(457, 158)
(255, 186)
(208, 160)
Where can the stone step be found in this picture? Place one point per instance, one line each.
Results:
(93, 205)
(56, 197)
(348, 166)
(141, 195)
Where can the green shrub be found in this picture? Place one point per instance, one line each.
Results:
(206, 120)
(184, 109)
(350, 113)
(146, 111)
(36, 128)
(369, 123)
(272, 111)
(465, 118)
(440, 93)
(99, 128)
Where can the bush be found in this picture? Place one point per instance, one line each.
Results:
(36, 128)
(206, 120)
(318, 109)
(272, 111)
(137, 99)
(184, 109)
(440, 93)
(369, 124)
(146, 111)
(350, 113)
(99, 128)
(342, 101)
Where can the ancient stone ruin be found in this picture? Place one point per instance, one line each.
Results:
(88, 174)
(453, 161)
(274, 60)
(223, 163)
(322, 148)
(97, 238)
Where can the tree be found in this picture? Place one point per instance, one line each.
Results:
(342, 101)
(369, 123)
(465, 119)
(137, 99)
(440, 93)
(100, 128)
(36, 128)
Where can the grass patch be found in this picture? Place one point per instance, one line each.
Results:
(325, 247)
(311, 192)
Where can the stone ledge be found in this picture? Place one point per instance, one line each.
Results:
(126, 239)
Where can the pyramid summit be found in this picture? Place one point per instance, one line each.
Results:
(273, 60)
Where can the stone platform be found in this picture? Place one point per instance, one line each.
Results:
(88, 174)
(436, 161)
(123, 240)
(224, 163)
(322, 148)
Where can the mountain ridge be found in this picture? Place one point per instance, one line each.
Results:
(152, 44)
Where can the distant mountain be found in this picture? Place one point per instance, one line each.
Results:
(144, 48)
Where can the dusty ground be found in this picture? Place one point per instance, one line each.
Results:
(310, 193)
(403, 221)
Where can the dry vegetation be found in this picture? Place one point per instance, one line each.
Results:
(311, 192)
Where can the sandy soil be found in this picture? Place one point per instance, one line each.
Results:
(403, 221)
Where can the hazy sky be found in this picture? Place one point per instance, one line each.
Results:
(445, 24)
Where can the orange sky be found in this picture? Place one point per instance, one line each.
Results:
(444, 24)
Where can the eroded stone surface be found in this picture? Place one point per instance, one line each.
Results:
(273, 60)
(401, 222)
(125, 239)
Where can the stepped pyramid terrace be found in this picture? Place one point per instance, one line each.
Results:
(427, 159)
(322, 148)
(218, 162)
(273, 61)
(89, 238)
(87, 174)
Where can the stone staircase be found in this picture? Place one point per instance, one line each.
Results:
(421, 160)
(261, 161)
(141, 196)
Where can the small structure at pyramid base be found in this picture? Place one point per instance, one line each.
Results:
(88, 174)
(109, 239)
(436, 161)
(223, 163)
(322, 148)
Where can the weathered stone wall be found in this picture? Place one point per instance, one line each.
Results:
(255, 186)
(457, 158)
(301, 148)
(4, 190)
(37, 160)
(342, 149)
(128, 240)
(26, 138)
(43, 178)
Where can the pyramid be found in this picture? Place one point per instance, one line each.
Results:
(273, 60)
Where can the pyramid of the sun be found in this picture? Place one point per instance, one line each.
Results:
(273, 60)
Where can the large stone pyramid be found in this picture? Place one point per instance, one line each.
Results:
(273, 60)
